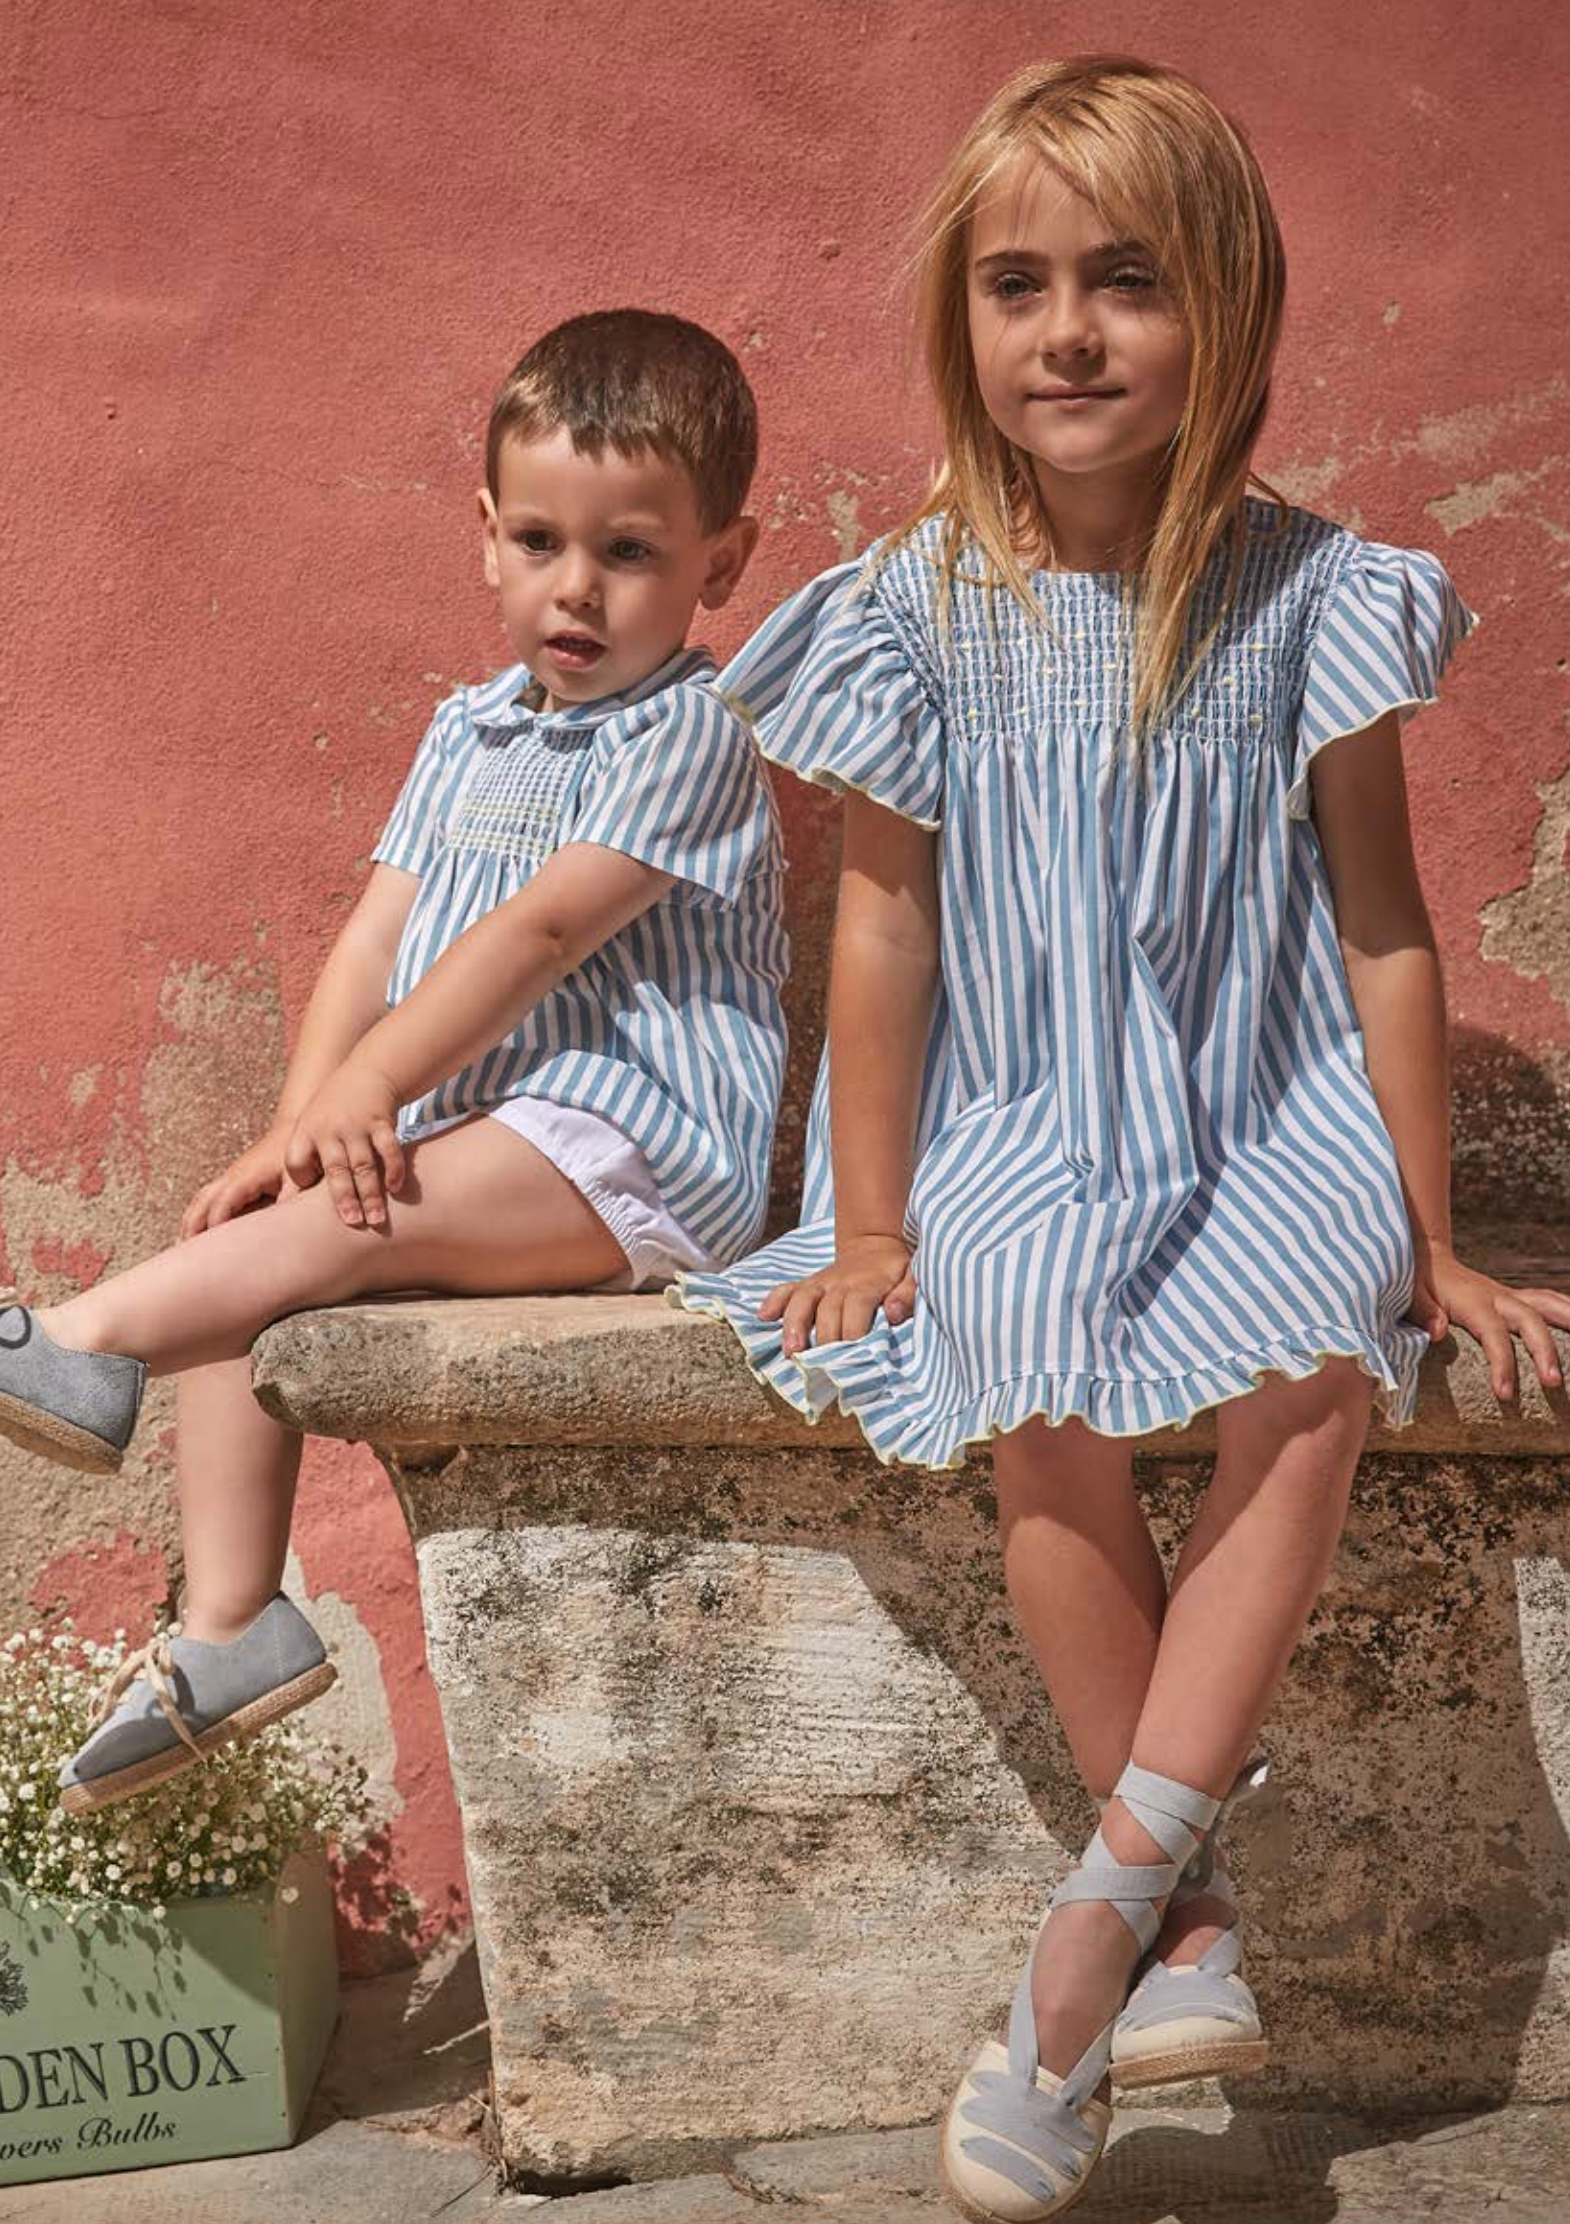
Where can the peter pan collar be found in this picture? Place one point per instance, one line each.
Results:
(501, 706)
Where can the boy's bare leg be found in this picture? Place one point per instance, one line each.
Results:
(237, 1470)
(481, 1212)
(1255, 1561)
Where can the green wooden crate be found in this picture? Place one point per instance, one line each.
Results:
(131, 2039)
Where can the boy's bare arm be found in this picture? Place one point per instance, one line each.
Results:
(473, 996)
(349, 998)
(1392, 962)
(350, 995)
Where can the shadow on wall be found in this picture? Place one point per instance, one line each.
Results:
(379, 1924)
(1511, 1130)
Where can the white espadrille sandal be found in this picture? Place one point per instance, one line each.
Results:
(1019, 2143)
(1195, 2019)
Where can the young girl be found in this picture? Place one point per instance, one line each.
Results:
(1137, 1065)
(575, 915)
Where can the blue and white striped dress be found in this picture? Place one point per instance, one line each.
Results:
(673, 1029)
(1150, 1166)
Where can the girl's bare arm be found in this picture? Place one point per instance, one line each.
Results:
(1392, 962)
(885, 969)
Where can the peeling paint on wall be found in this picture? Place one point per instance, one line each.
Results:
(1529, 929)
(1491, 497)
(355, 1710)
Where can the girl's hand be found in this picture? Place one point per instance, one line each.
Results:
(256, 1174)
(841, 1302)
(1447, 1294)
(348, 1133)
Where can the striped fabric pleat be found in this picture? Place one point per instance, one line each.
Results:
(1150, 1166)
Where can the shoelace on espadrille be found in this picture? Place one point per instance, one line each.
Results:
(154, 1665)
(1024, 2131)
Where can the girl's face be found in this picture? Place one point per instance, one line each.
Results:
(1081, 356)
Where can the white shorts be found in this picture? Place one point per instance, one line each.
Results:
(607, 1168)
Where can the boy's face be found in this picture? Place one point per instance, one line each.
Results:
(600, 565)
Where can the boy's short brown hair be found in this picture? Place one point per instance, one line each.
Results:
(635, 380)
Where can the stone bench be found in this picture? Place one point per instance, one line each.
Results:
(761, 1797)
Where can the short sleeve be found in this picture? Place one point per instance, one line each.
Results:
(857, 715)
(758, 677)
(683, 792)
(1385, 635)
(413, 832)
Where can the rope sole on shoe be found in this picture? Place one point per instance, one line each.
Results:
(50, 1438)
(977, 2215)
(1176, 2065)
(970, 2206)
(245, 1722)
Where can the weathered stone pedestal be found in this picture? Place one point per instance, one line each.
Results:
(762, 1800)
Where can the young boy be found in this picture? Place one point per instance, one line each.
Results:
(545, 1052)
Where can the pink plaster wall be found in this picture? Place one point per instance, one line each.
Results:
(264, 266)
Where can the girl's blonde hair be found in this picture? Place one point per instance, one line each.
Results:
(1160, 163)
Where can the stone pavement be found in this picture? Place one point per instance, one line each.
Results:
(398, 2136)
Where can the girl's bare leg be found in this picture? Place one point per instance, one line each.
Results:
(1086, 1582)
(481, 1211)
(1255, 1561)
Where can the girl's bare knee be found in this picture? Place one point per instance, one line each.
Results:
(1338, 1389)
(1327, 1410)
(1048, 1467)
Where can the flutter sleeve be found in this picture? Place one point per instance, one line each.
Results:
(857, 713)
(683, 791)
(1385, 635)
(758, 677)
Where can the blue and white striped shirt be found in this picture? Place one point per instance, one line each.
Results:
(1150, 1166)
(673, 1029)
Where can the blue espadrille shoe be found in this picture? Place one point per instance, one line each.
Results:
(1020, 2144)
(77, 1408)
(1195, 2019)
(167, 1707)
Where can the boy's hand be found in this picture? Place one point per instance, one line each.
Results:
(256, 1174)
(348, 1134)
(1447, 1294)
(841, 1302)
